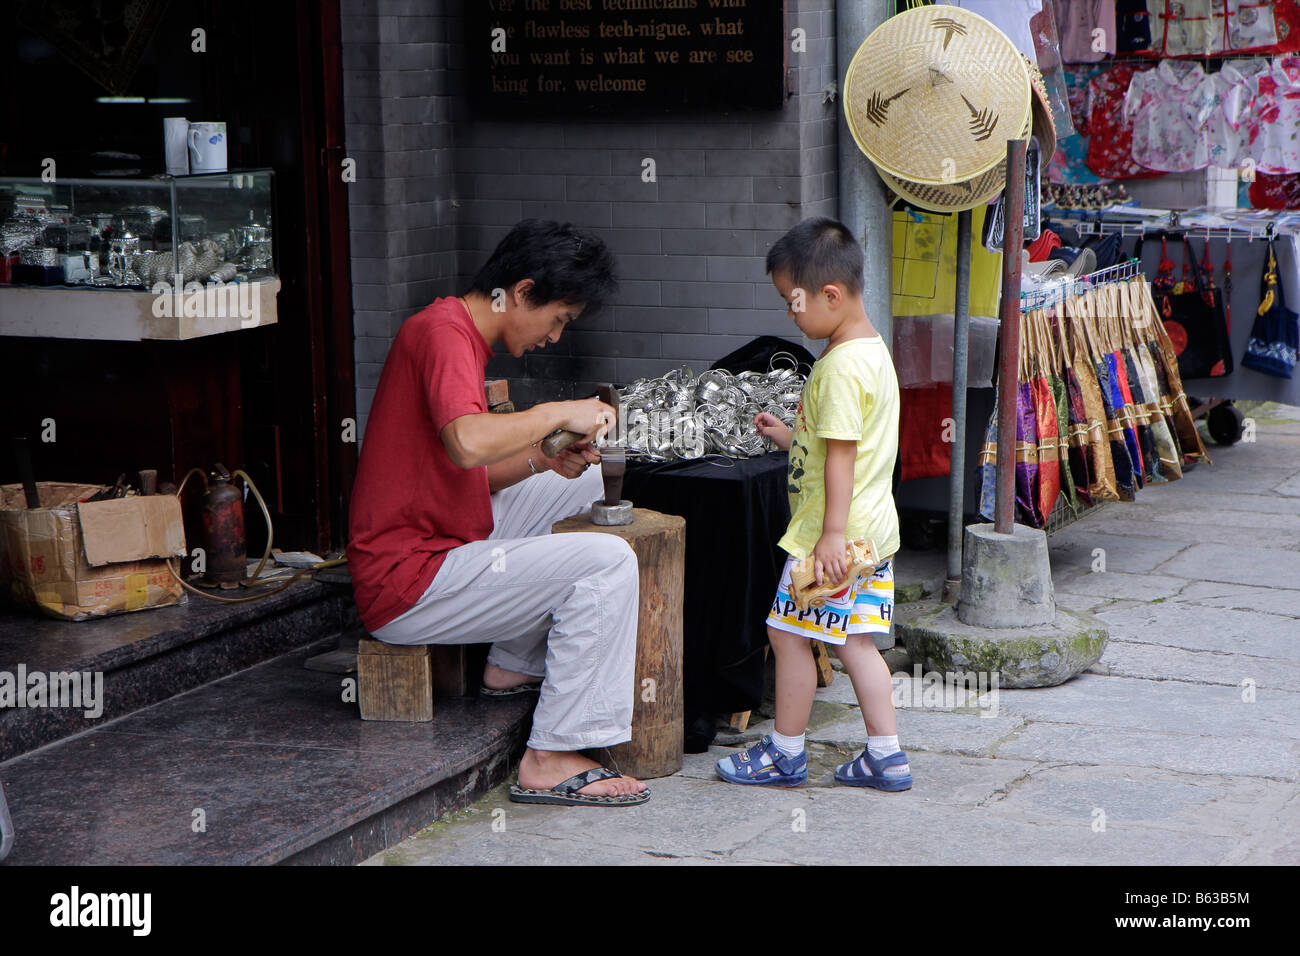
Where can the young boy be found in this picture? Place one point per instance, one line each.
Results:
(842, 453)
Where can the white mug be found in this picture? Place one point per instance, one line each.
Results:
(176, 131)
(207, 147)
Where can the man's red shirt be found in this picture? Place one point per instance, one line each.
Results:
(411, 504)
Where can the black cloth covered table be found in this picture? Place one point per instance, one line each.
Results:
(735, 512)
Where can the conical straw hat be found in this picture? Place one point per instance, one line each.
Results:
(934, 93)
(953, 197)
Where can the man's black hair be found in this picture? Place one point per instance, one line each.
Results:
(566, 264)
(817, 252)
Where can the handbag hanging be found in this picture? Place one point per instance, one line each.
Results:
(1173, 400)
(1274, 337)
(1193, 317)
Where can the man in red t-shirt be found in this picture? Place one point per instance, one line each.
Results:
(452, 508)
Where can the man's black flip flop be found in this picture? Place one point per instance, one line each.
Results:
(565, 794)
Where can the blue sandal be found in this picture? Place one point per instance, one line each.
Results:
(747, 766)
(866, 771)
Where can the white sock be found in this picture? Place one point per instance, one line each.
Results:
(790, 746)
(880, 747)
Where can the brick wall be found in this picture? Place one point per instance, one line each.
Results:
(438, 186)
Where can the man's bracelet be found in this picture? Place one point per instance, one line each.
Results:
(532, 467)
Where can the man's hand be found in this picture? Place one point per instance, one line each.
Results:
(829, 560)
(587, 417)
(574, 460)
(769, 426)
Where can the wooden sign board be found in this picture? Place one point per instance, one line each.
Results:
(566, 56)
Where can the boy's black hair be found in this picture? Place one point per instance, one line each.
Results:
(817, 252)
(566, 264)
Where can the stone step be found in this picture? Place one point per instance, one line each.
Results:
(148, 656)
(269, 765)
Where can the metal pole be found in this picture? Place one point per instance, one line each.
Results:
(862, 206)
(1009, 341)
(960, 355)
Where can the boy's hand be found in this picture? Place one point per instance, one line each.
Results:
(769, 426)
(829, 560)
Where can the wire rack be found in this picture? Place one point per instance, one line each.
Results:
(1038, 298)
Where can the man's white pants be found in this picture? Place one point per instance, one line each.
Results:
(562, 607)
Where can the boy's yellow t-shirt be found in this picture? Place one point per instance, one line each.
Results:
(852, 394)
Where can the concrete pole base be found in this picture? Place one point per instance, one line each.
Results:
(1006, 579)
(1040, 656)
(608, 515)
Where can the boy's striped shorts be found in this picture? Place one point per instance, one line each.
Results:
(865, 607)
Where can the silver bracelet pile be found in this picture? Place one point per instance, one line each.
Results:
(682, 415)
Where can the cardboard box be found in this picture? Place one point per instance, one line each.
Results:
(75, 561)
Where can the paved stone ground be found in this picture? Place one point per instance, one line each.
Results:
(1180, 746)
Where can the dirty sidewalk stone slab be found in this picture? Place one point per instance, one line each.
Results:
(1112, 748)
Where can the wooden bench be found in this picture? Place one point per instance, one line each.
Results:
(399, 682)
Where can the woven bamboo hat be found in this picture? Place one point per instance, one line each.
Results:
(980, 189)
(933, 95)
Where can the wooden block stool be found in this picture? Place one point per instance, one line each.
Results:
(398, 681)
(659, 542)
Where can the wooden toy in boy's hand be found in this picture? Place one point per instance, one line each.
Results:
(861, 555)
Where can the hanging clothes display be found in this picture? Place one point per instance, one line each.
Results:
(1250, 25)
(1100, 411)
(1078, 21)
(1170, 109)
(1273, 118)
(1132, 27)
(1110, 139)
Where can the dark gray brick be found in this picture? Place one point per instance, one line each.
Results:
(745, 162)
(498, 161)
(497, 133)
(523, 186)
(613, 188)
(370, 325)
(636, 292)
(565, 162)
(751, 215)
(370, 298)
(615, 344)
(776, 189)
(776, 136)
(676, 214)
(706, 188)
(721, 295)
(752, 321)
(701, 348)
(706, 242)
(491, 212)
(368, 374)
(735, 269)
(580, 213)
(370, 350)
(570, 368)
(630, 241)
(705, 135)
(678, 319)
(370, 272)
(585, 135)
(683, 268)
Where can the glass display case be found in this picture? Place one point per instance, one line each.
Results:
(160, 236)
